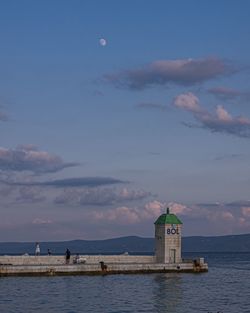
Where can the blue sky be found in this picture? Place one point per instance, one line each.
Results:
(96, 140)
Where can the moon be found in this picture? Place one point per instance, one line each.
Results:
(103, 42)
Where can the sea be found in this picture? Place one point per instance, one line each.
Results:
(225, 288)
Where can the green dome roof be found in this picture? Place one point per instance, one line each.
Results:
(167, 218)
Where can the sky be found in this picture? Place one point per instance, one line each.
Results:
(111, 111)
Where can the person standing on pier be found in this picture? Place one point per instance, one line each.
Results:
(37, 251)
(67, 256)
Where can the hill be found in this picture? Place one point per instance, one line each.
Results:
(131, 244)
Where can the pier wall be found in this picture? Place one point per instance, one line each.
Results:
(112, 264)
(60, 260)
(95, 269)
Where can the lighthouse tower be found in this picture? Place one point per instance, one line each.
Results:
(168, 238)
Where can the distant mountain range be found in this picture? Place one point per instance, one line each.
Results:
(131, 244)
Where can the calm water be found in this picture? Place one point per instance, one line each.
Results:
(225, 289)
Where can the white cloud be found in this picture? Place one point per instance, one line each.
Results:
(129, 215)
(220, 121)
(245, 211)
(228, 216)
(222, 114)
(179, 209)
(121, 215)
(187, 101)
(151, 210)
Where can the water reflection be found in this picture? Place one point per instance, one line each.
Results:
(168, 293)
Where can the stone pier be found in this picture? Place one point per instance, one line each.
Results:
(167, 258)
(91, 265)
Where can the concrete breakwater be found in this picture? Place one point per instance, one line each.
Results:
(92, 265)
(167, 258)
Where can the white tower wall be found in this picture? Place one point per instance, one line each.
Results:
(168, 243)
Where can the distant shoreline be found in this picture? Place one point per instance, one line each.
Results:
(132, 245)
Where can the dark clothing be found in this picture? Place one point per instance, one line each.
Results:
(67, 255)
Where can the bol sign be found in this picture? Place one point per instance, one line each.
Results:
(172, 231)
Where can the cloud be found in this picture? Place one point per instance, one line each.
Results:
(121, 215)
(150, 105)
(71, 182)
(179, 209)
(184, 72)
(220, 121)
(227, 217)
(30, 194)
(232, 156)
(226, 93)
(187, 101)
(5, 191)
(224, 217)
(226, 211)
(152, 209)
(216, 215)
(223, 122)
(41, 221)
(204, 219)
(245, 211)
(128, 215)
(29, 158)
(242, 203)
(99, 196)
